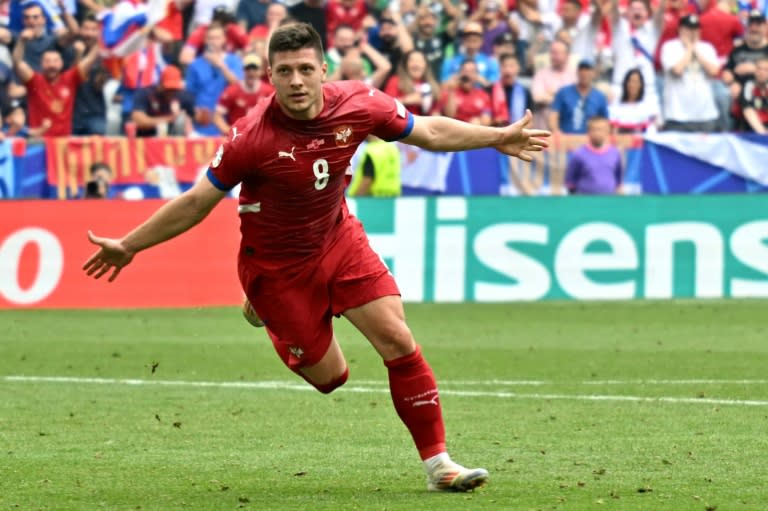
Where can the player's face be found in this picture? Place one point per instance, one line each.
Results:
(298, 77)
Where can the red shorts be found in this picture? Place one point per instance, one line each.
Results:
(298, 305)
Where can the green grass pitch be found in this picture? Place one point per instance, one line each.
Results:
(650, 406)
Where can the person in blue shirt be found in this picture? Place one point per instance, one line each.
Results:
(575, 104)
(471, 43)
(208, 75)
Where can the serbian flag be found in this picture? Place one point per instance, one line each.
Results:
(50, 9)
(125, 26)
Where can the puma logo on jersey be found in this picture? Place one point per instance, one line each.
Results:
(235, 134)
(284, 154)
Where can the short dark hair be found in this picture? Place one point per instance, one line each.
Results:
(294, 37)
(507, 56)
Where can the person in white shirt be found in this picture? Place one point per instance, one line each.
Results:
(689, 63)
(634, 111)
(635, 36)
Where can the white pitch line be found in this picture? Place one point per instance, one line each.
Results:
(282, 385)
(539, 383)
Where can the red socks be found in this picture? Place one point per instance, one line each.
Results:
(414, 394)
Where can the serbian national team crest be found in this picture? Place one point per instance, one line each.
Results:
(343, 136)
(217, 159)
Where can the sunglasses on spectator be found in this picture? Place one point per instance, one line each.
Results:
(252, 66)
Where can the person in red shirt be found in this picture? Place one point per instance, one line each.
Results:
(239, 97)
(720, 27)
(51, 92)
(414, 85)
(344, 12)
(304, 258)
(237, 38)
(462, 99)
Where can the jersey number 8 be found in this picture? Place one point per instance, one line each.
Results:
(320, 169)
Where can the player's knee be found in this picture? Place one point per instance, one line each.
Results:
(395, 340)
(327, 388)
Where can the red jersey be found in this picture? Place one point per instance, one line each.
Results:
(337, 14)
(468, 104)
(237, 39)
(235, 101)
(720, 29)
(293, 172)
(54, 101)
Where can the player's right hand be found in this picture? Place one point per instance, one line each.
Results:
(112, 255)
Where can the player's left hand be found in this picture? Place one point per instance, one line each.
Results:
(520, 139)
(112, 255)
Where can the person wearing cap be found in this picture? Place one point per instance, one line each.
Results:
(574, 104)
(239, 97)
(159, 109)
(471, 42)
(689, 63)
(208, 76)
(740, 66)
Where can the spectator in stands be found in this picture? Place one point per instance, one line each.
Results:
(463, 99)
(547, 81)
(140, 69)
(41, 41)
(90, 112)
(164, 109)
(634, 39)
(391, 38)
(414, 85)
(235, 38)
(312, 12)
(99, 182)
(51, 91)
(472, 41)
(251, 13)
(344, 40)
(492, 14)
(689, 63)
(675, 10)
(276, 14)
(740, 66)
(345, 12)
(595, 168)
(574, 104)
(208, 75)
(540, 52)
(581, 26)
(353, 66)
(509, 98)
(429, 41)
(378, 171)
(633, 111)
(721, 28)
(239, 97)
(14, 116)
(504, 44)
(754, 100)
(204, 11)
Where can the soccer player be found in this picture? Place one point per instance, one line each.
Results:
(303, 257)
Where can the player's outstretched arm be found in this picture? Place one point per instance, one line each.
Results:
(172, 219)
(445, 134)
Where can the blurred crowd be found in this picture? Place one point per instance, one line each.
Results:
(681, 65)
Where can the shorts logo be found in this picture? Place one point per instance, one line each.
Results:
(217, 159)
(342, 136)
(296, 351)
